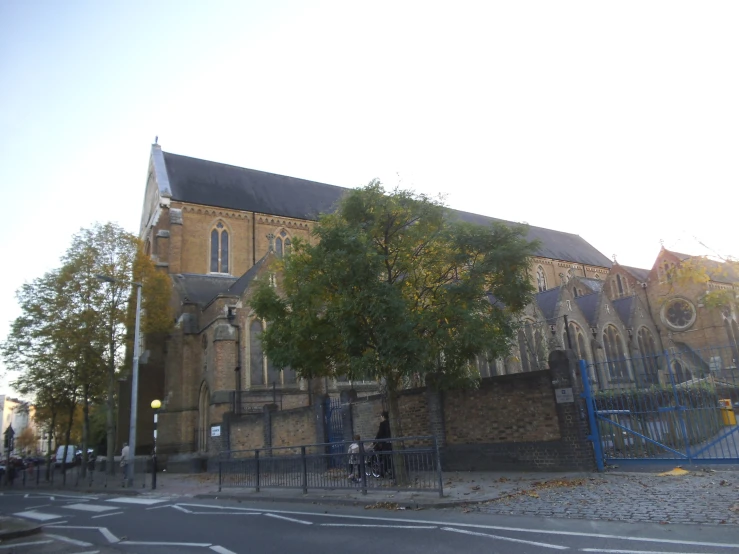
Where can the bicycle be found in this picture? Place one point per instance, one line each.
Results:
(373, 464)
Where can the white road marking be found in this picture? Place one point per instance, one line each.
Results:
(134, 500)
(68, 540)
(221, 550)
(181, 509)
(240, 513)
(38, 516)
(476, 526)
(106, 515)
(383, 526)
(157, 507)
(628, 551)
(53, 523)
(89, 507)
(40, 506)
(509, 539)
(103, 530)
(288, 519)
(24, 544)
(152, 543)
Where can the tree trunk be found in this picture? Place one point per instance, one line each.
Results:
(85, 429)
(110, 405)
(66, 439)
(396, 429)
(48, 443)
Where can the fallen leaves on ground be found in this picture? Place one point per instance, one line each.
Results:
(382, 506)
(538, 485)
(678, 471)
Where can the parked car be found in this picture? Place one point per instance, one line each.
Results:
(59, 458)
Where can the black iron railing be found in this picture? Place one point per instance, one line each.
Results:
(408, 463)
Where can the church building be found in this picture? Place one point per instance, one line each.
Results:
(214, 228)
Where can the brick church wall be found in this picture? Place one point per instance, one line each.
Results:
(509, 408)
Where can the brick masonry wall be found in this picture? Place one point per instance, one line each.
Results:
(536, 449)
(247, 432)
(511, 408)
(294, 427)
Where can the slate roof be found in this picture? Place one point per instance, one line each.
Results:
(625, 309)
(718, 271)
(215, 184)
(640, 274)
(227, 186)
(685, 353)
(547, 301)
(557, 245)
(201, 289)
(243, 282)
(596, 285)
(588, 304)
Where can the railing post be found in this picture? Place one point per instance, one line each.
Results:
(362, 472)
(305, 469)
(438, 468)
(594, 435)
(256, 457)
(220, 474)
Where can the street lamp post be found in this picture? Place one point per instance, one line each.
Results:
(134, 378)
(155, 405)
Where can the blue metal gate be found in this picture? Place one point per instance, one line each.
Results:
(334, 429)
(674, 406)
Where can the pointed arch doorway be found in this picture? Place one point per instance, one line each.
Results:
(203, 418)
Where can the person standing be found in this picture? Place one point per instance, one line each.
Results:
(124, 461)
(383, 447)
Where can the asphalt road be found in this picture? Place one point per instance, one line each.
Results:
(157, 524)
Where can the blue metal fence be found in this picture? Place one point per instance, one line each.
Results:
(676, 406)
(334, 428)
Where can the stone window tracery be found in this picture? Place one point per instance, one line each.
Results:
(219, 249)
(615, 356)
(541, 279)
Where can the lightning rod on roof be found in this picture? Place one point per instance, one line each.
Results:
(156, 139)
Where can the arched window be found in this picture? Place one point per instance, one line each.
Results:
(615, 357)
(679, 373)
(577, 335)
(620, 285)
(650, 356)
(523, 351)
(219, 249)
(256, 358)
(541, 279)
(282, 244)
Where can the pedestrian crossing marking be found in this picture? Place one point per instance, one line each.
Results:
(89, 507)
(134, 500)
(38, 516)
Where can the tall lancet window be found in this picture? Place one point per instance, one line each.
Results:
(219, 249)
(541, 279)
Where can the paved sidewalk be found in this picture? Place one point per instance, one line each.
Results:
(700, 496)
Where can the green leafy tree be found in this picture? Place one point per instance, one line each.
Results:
(68, 343)
(390, 287)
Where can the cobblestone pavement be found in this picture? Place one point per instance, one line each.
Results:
(701, 497)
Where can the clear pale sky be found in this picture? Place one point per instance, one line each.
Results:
(617, 121)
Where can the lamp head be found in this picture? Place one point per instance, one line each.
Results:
(156, 404)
